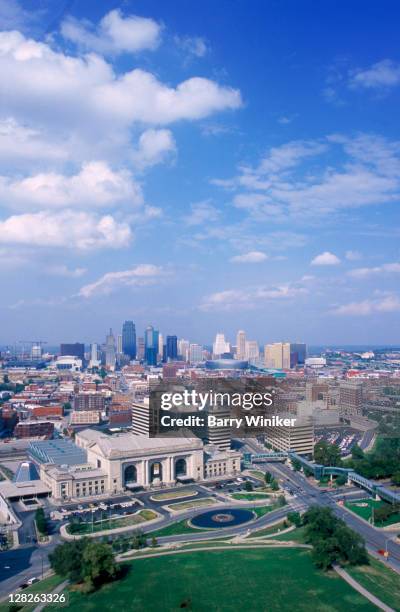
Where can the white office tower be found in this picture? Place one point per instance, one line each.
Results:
(252, 351)
(94, 361)
(220, 346)
(110, 351)
(36, 351)
(241, 345)
(119, 344)
(141, 418)
(277, 355)
(195, 353)
(183, 349)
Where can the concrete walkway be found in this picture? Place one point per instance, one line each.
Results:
(239, 546)
(358, 587)
(58, 589)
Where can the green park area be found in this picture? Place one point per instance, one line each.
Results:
(383, 582)
(174, 495)
(256, 579)
(83, 528)
(249, 496)
(44, 586)
(376, 511)
(174, 529)
(195, 503)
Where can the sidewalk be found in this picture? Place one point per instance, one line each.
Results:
(358, 587)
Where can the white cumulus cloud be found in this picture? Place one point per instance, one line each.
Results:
(114, 34)
(140, 275)
(388, 268)
(96, 185)
(325, 259)
(387, 304)
(68, 229)
(383, 74)
(153, 147)
(250, 257)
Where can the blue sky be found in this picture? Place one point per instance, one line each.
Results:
(200, 166)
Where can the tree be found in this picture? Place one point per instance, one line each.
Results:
(268, 477)
(294, 518)
(6, 379)
(281, 500)
(248, 485)
(274, 485)
(325, 553)
(332, 540)
(396, 478)
(139, 539)
(98, 564)
(41, 521)
(66, 559)
(67, 406)
(327, 454)
(154, 541)
(296, 465)
(341, 480)
(357, 452)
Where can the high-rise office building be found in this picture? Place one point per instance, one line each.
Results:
(183, 349)
(140, 349)
(195, 353)
(252, 350)
(171, 348)
(241, 345)
(221, 346)
(94, 356)
(77, 349)
(351, 397)
(129, 339)
(151, 348)
(36, 351)
(298, 354)
(161, 355)
(277, 355)
(298, 438)
(110, 350)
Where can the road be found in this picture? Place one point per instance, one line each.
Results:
(28, 561)
(375, 539)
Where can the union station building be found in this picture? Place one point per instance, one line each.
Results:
(115, 463)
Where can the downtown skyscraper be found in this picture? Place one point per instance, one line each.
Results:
(129, 339)
(151, 345)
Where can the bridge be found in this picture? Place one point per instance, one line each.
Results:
(319, 471)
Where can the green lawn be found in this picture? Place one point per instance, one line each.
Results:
(250, 496)
(296, 535)
(261, 510)
(268, 530)
(174, 529)
(127, 521)
(195, 503)
(258, 474)
(44, 586)
(366, 511)
(276, 580)
(380, 580)
(174, 495)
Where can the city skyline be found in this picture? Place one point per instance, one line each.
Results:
(204, 180)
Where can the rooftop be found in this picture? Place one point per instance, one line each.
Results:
(127, 443)
(57, 452)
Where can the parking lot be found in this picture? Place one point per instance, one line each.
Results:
(96, 510)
